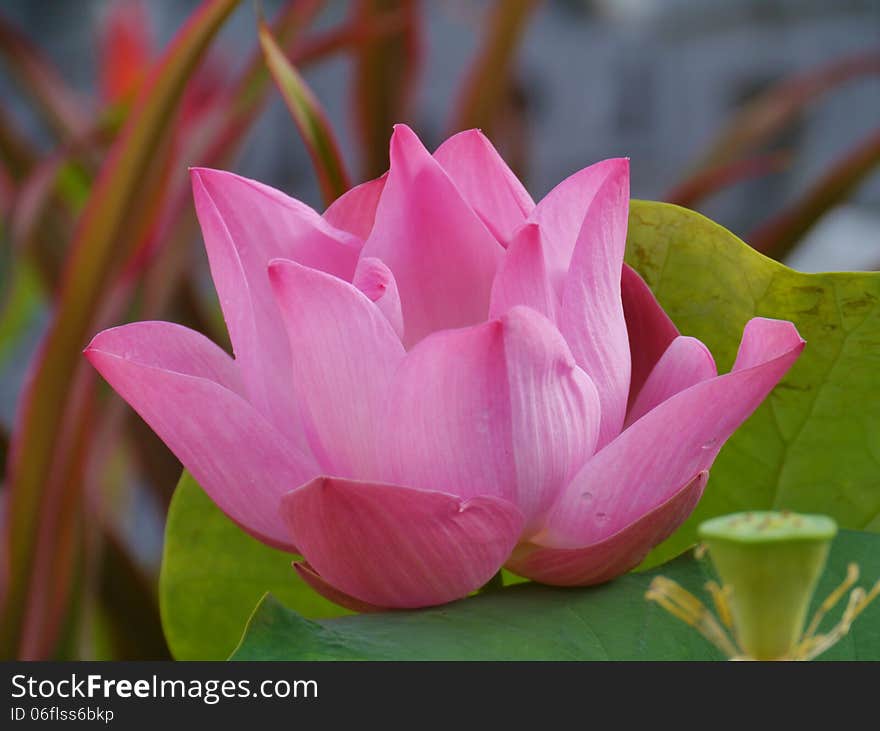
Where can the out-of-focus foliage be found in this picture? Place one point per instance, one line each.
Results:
(124, 200)
(386, 72)
(778, 236)
(743, 149)
(64, 112)
(98, 228)
(309, 117)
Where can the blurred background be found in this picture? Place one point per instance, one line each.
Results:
(762, 114)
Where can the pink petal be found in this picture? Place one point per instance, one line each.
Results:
(497, 409)
(643, 467)
(245, 225)
(611, 556)
(486, 182)
(261, 219)
(522, 278)
(685, 363)
(171, 347)
(185, 388)
(649, 327)
(591, 316)
(355, 210)
(343, 355)
(398, 547)
(562, 211)
(441, 254)
(376, 281)
(330, 593)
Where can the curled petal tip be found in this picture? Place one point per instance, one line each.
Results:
(277, 263)
(787, 326)
(208, 172)
(530, 230)
(402, 130)
(91, 346)
(766, 339)
(91, 352)
(473, 132)
(95, 344)
(619, 167)
(200, 178)
(278, 266)
(405, 141)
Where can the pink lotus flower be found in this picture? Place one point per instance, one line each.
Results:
(438, 377)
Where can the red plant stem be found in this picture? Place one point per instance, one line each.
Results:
(385, 73)
(776, 107)
(310, 118)
(781, 233)
(706, 183)
(16, 151)
(57, 546)
(60, 106)
(488, 79)
(43, 407)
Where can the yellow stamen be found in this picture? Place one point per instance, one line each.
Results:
(852, 576)
(868, 598)
(721, 600)
(812, 647)
(685, 606)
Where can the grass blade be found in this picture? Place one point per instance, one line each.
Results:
(488, 80)
(773, 110)
(59, 105)
(705, 183)
(781, 233)
(309, 116)
(385, 72)
(17, 153)
(100, 241)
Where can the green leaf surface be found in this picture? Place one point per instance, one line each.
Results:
(531, 622)
(213, 574)
(814, 445)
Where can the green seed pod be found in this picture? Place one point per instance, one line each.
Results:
(771, 563)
